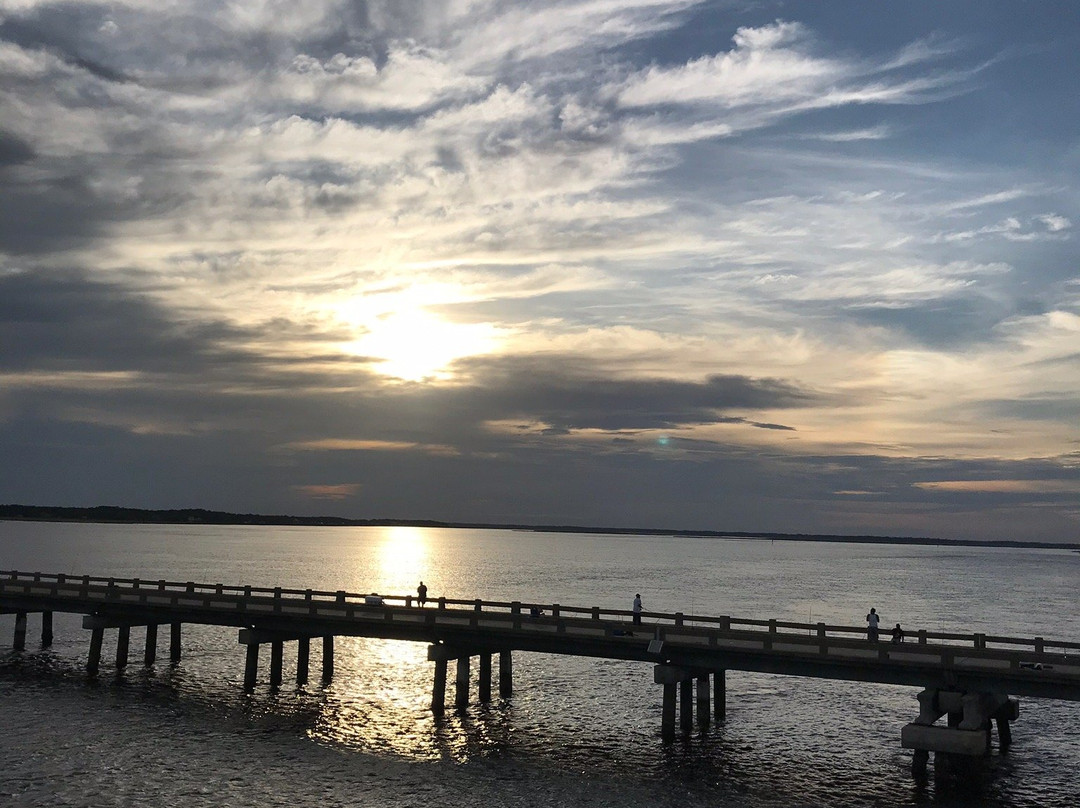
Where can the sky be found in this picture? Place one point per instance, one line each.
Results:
(794, 267)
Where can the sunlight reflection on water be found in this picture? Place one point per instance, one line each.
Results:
(577, 731)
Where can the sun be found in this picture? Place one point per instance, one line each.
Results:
(409, 341)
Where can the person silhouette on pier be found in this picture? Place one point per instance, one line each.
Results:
(897, 635)
(637, 610)
(421, 594)
(872, 621)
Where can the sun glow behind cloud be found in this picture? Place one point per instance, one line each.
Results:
(408, 340)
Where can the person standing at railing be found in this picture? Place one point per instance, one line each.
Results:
(637, 610)
(421, 594)
(872, 621)
(897, 635)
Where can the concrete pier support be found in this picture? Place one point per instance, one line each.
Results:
(438, 689)
(681, 681)
(46, 629)
(719, 694)
(686, 705)
(328, 657)
(19, 642)
(123, 645)
(667, 718)
(251, 666)
(174, 642)
(703, 700)
(150, 654)
(461, 682)
(303, 659)
(970, 716)
(506, 675)
(485, 678)
(277, 654)
(93, 660)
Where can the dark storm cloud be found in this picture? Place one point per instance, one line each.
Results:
(66, 321)
(566, 393)
(14, 150)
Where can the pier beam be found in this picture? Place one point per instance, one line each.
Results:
(46, 629)
(174, 642)
(438, 689)
(328, 657)
(303, 657)
(485, 678)
(506, 675)
(20, 631)
(123, 644)
(277, 653)
(150, 654)
(251, 666)
(720, 694)
(93, 660)
(461, 693)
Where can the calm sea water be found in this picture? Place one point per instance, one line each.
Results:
(577, 732)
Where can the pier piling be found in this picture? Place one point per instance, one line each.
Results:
(485, 678)
(719, 694)
(303, 656)
(174, 642)
(506, 675)
(277, 653)
(251, 666)
(123, 644)
(438, 689)
(93, 659)
(20, 631)
(461, 683)
(46, 629)
(150, 654)
(328, 657)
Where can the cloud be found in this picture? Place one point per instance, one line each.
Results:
(334, 493)
(1004, 486)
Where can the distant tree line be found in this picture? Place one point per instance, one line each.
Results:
(201, 516)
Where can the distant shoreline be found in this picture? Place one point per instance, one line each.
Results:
(109, 514)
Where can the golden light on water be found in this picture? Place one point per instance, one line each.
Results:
(402, 557)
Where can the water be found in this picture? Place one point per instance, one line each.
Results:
(577, 732)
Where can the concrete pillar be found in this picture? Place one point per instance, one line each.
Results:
(1004, 730)
(686, 705)
(46, 629)
(123, 644)
(461, 682)
(150, 654)
(438, 689)
(327, 657)
(667, 722)
(506, 675)
(251, 666)
(719, 694)
(303, 657)
(919, 760)
(174, 642)
(93, 661)
(703, 700)
(277, 653)
(485, 678)
(20, 631)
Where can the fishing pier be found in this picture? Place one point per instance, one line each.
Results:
(972, 680)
